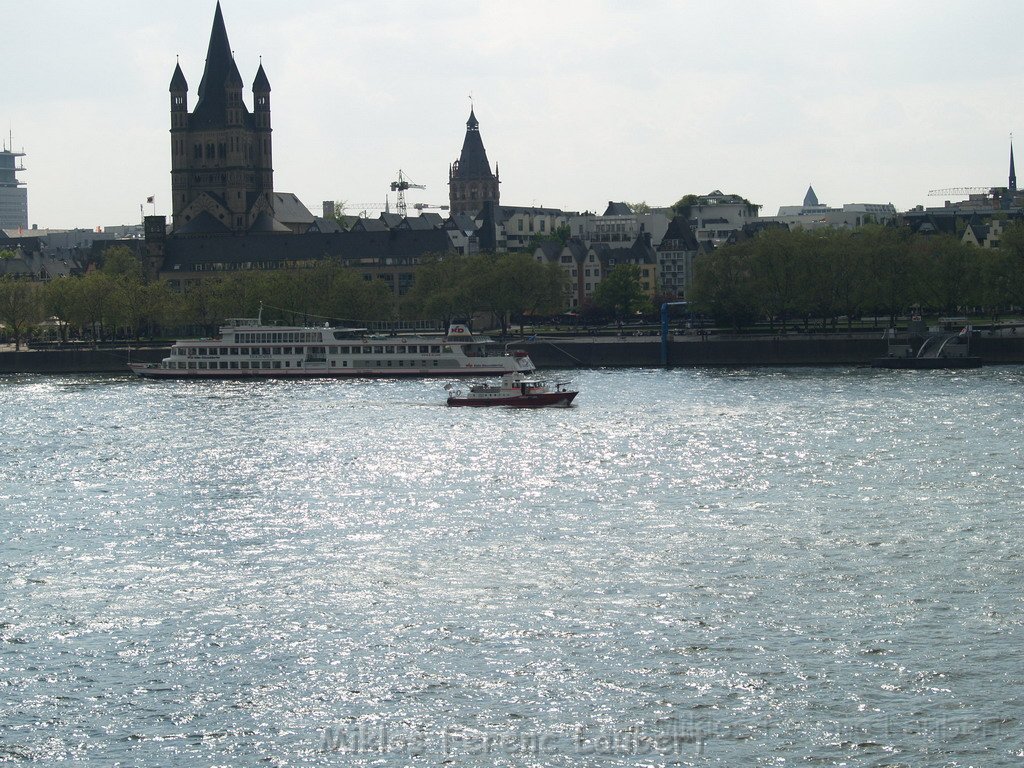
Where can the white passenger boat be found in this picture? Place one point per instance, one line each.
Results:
(247, 348)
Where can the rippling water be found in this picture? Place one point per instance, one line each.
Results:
(754, 567)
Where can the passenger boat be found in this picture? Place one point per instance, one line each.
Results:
(516, 391)
(248, 349)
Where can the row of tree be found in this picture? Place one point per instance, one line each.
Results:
(783, 276)
(119, 300)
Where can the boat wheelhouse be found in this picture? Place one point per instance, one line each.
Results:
(247, 348)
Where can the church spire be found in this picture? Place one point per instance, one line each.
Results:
(220, 71)
(470, 181)
(1013, 173)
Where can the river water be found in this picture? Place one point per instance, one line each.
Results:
(749, 567)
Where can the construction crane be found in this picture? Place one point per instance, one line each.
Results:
(959, 191)
(400, 186)
(362, 208)
(425, 206)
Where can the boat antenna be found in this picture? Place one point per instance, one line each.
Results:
(259, 317)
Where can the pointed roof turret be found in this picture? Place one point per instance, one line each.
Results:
(261, 84)
(473, 160)
(810, 199)
(178, 81)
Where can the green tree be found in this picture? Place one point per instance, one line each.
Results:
(446, 287)
(886, 288)
(203, 305)
(121, 261)
(723, 285)
(163, 307)
(816, 284)
(1012, 246)
(57, 296)
(846, 259)
(941, 266)
(129, 303)
(993, 279)
(517, 284)
(776, 263)
(620, 292)
(91, 305)
(20, 307)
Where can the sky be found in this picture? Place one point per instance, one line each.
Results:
(579, 102)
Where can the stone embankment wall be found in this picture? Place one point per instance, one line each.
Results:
(736, 351)
(581, 353)
(77, 360)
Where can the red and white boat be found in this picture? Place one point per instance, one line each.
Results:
(514, 391)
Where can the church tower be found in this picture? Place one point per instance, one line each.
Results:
(222, 177)
(470, 181)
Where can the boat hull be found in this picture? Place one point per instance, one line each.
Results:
(148, 371)
(537, 400)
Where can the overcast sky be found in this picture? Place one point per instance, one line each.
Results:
(579, 102)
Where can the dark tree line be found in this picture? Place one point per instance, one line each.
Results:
(784, 277)
(118, 300)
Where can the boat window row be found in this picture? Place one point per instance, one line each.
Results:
(246, 365)
(277, 337)
(386, 349)
(236, 365)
